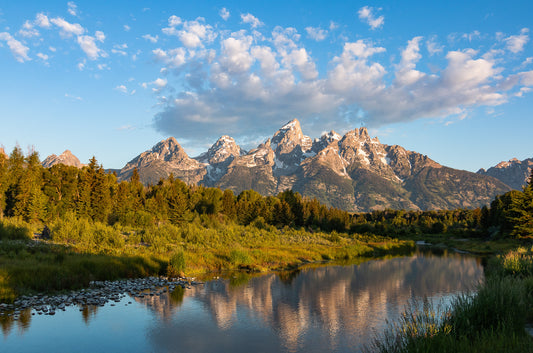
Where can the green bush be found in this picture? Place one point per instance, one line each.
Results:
(177, 264)
(239, 257)
(14, 229)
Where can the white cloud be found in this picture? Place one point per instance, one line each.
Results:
(122, 88)
(316, 33)
(42, 56)
(471, 36)
(151, 38)
(28, 30)
(272, 79)
(160, 82)
(224, 13)
(73, 97)
(52, 49)
(174, 21)
(19, 50)
(236, 57)
(68, 29)
(193, 33)
(72, 8)
(119, 49)
(406, 73)
(367, 15)
(433, 47)
(173, 58)
(41, 20)
(88, 45)
(251, 20)
(100, 36)
(515, 44)
(126, 28)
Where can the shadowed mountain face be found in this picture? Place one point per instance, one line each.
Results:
(513, 173)
(353, 172)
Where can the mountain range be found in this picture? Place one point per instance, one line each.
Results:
(513, 172)
(353, 172)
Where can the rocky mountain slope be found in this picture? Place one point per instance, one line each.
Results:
(165, 158)
(354, 172)
(513, 172)
(66, 158)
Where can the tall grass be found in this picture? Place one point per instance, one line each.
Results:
(82, 250)
(489, 320)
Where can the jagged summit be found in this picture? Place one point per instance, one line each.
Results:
(66, 158)
(164, 158)
(513, 172)
(225, 149)
(354, 172)
(168, 150)
(290, 136)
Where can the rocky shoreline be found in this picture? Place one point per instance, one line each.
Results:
(98, 294)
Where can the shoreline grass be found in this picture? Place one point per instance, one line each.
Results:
(490, 320)
(82, 251)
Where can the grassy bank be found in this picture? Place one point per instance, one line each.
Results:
(491, 320)
(80, 251)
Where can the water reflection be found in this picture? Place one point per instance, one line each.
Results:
(333, 308)
(343, 306)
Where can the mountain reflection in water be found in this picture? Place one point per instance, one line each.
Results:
(330, 308)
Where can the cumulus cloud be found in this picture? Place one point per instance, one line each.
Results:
(516, 43)
(251, 20)
(192, 34)
(151, 38)
(316, 33)
(19, 50)
(89, 47)
(68, 29)
(42, 56)
(28, 30)
(41, 20)
(224, 13)
(367, 15)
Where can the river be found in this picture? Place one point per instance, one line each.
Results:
(315, 309)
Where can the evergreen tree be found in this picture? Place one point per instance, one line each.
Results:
(522, 208)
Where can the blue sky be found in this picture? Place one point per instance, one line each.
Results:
(449, 79)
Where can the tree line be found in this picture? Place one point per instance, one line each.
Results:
(37, 194)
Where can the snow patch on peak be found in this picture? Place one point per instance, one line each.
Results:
(290, 125)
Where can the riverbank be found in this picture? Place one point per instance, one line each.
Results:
(80, 252)
(491, 320)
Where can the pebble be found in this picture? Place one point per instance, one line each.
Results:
(99, 293)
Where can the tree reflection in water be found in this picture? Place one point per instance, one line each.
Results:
(320, 308)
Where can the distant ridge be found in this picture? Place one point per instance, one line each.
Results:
(353, 172)
(66, 158)
(513, 172)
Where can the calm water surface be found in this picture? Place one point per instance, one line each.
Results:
(325, 309)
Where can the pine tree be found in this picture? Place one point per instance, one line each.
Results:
(522, 208)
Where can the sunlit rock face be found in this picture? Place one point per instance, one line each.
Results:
(514, 172)
(66, 158)
(354, 172)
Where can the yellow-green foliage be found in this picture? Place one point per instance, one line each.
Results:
(14, 228)
(516, 263)
(87, 250)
